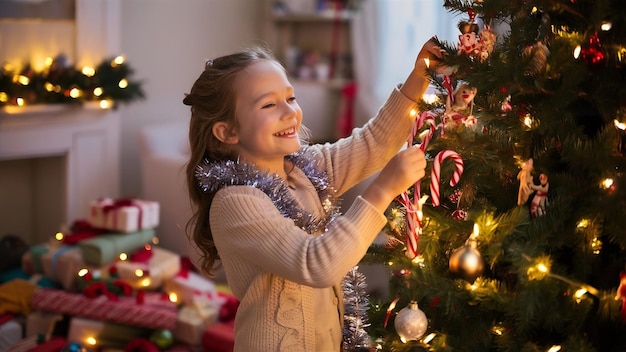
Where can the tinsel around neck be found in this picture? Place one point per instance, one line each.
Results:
(215, 175)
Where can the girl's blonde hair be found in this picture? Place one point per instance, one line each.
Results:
(213, 99)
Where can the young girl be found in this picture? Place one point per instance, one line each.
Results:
(266, 203)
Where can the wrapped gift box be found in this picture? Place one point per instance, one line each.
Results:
(219, 337)
(31, 259)
(122, 310)
(188, 284)
(193, 321)
(41, 323)
(125, 215)
(61, 265)
(151, 272)
(105, 249)
(106, 335)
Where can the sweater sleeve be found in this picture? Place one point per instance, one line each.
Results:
(367, 150)
(251, 233)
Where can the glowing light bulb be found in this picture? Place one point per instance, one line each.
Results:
(75, 93)
(20, 101)
(607, 183)
(82, 272)
(577, 51)
(105, 104)
(98, 91)
(139, 273)
(4, 97)
(606, 26)
(58, 236)
(88, 71)
(173, 297)
(23, 80)
(91, 341)
(117, 61)
(620, 125)
(123, 83)
(123, 256)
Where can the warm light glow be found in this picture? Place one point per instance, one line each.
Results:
(534, 10)
(430, 98)
(173, 297)
(58, 236)
(578, 295)
(577, 51)
(542, 267)
(49, 86)
(155, 240)
(4, 97)
(146, 282)
(20, 101)
(23, 80)
(75, 93)
(583, 223)
(98, 91)
(91, 341)
(429, 337)
(147, 247)
(138, 272)
(117, 61)
(392, 305)
(419, 259)
(528, 121)
(607, 183)
(82, 272)
(123, 83)
(88, 71)
(497, 330)
(606, 26)
(105, 104)
(475, 232)
(48, 61)
(427, 61)
(620, 125)
(554, 348)
(413, 113)
(123, 256)
(596, 245)
(390, 263)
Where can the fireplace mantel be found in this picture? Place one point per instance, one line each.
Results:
(89, 140)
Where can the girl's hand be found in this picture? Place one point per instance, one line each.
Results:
(430, 56)
(400, 173)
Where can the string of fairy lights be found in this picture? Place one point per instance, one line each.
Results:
(59, 83)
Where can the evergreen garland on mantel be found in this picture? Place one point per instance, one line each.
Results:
(60, 83)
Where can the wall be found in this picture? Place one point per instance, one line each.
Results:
(167, 43)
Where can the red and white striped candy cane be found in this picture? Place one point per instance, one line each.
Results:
(414, 207)
(436, 173)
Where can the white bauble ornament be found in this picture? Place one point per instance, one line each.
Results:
(411, 322)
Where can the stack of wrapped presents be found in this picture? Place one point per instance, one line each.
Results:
(106, 285)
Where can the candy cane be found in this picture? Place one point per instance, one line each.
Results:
(414, 207)
(436, 173)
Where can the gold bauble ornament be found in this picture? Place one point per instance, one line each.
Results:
(467, 262)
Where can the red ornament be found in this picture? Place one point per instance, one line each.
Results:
(593, 54)
(459, 214)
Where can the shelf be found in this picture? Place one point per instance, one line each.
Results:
(318, 17)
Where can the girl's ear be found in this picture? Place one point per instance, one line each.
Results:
(223, 132)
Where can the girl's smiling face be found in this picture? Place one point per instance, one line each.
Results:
(268, 116)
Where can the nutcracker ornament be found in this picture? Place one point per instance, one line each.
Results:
(540, 199)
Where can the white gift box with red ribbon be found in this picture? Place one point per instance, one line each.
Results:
(151, 274)
(125, 215)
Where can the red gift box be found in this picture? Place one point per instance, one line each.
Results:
(219, 337)
(123, 310)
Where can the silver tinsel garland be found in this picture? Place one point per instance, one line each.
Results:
(214, 175)
(356, 303)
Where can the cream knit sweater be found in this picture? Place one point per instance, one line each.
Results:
(273, 267)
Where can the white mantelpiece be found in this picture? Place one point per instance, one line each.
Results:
(86, 139)
(89, 140)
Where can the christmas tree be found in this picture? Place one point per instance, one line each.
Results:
(516, 239)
